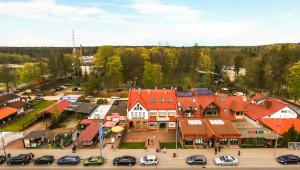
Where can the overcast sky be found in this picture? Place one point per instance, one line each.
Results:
(148, 22)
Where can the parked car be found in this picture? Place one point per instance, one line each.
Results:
(94, 160)
(148, 160)
(39, 98)
(226, 160)
(46, 159)
(68, 160)
(21, 159)
(124, 160)
(288, 159)
(115, 97)
(2, 159)
(196, 160)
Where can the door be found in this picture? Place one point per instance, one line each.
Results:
(162, 125)
(131, 124)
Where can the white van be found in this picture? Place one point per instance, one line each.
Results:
(149, 160)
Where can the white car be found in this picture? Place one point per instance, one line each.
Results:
(226, 160)
(148, 160)
(115, 97)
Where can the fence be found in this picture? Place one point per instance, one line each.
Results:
(294, 145)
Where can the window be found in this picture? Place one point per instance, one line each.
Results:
(170, 100)
(233, 141)
(199, 141)
(283, 111)
(152, 100)
(188, 141)
(152, 113)
(152, 124)
(224, 141)
(161, 100)
(172, 124)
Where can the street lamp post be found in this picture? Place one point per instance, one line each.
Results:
(3, 144)
(176, 132)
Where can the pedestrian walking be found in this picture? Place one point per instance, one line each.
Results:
(73, 149)
(165, 150)
(151, 141)
(148, 141)
(219, 148)
(146, 148)
(239, 153)
(216, 150)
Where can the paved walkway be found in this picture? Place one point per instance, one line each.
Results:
(248, 158)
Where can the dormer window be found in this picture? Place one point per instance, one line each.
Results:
(138, 107)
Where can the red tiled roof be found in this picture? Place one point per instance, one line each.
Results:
(152, 119)
(187, 102)
(143, 97)
(58, 107)
(7, 111)
(89, 133)
(280, 126)
(17, 104)
(258, 111)
(86, 121)
(206, 100)
(208, 130)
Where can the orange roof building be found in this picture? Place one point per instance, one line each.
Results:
(6, 112)
(280, 126)
(152, 108)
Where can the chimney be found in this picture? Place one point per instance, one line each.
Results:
(268, 104)
(139, 91)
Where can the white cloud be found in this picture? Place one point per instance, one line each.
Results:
(157, 9)
(50, 10)
(289, 14)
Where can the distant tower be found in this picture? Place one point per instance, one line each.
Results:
(73, 38)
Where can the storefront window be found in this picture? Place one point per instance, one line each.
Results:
(188, 141)
(224, 141)
(234, 141)
(199, 141)
(152, 124)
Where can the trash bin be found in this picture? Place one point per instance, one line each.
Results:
(174, 155)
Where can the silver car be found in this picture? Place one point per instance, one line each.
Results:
(226, 161)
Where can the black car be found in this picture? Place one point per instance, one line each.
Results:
(47, 159)
(196, 160)
(124, 160)
(288, 159)
(2, 159)
(68, 160)
(21, 159)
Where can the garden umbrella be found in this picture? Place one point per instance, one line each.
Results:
(117, 129)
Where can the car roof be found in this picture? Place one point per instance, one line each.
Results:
(291, 156)
(151, 157)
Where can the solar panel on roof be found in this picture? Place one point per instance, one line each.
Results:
(184, 94)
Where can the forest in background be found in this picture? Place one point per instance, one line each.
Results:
(269, 68)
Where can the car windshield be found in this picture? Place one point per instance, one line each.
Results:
(145, 158)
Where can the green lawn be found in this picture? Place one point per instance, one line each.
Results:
(170, 145)
(27, 119)
(132, 145)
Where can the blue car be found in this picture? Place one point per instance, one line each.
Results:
(68, 160)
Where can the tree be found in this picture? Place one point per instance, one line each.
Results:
(30, 74)
(205, 64)
(293, 81)
(114, 70)
(290, 136)
(153, 76)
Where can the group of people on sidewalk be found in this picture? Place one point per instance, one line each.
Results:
(218, 149)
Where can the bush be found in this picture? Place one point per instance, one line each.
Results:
(102, 101)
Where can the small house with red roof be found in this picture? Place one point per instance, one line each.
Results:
(152, 108)
(262, 106)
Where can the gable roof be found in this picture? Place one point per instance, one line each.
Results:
(58, 107)
(280, 126)
(258, 111)
(81, 107)
(90, 132)
(7, 111)
(144, 97)
(6, 97)
(17, 104)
